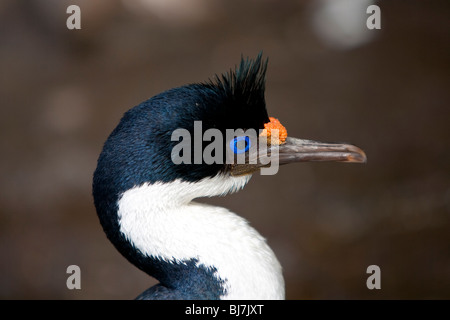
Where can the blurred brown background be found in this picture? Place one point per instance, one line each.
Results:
(329, 78)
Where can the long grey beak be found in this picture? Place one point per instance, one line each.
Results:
(299, 150)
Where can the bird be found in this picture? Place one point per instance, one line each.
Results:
(146, 204)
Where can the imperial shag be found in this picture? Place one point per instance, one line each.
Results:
(144, 199)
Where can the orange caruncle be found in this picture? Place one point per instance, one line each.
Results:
(274, 124)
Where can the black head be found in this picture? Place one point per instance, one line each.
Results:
(139, 149)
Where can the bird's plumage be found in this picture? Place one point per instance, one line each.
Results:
(136, 163)
(144, 200)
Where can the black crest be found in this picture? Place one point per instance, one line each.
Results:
(246, 84)
(238, 99)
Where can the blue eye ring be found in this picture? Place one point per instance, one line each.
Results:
(234, 146)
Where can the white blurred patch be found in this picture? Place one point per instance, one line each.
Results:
(341, 24)
(173, 11)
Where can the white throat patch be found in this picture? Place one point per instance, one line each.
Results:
(161, 220)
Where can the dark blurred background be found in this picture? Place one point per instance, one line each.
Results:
(329, 78)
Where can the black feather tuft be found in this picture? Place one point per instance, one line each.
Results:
(246, 83)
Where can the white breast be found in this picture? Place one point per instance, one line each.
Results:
(161, 220)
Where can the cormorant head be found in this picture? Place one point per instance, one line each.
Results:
(198, 140)
(204, 130)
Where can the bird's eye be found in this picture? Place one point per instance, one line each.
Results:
(240, 144)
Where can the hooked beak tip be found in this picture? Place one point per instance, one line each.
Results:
(356, 155)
